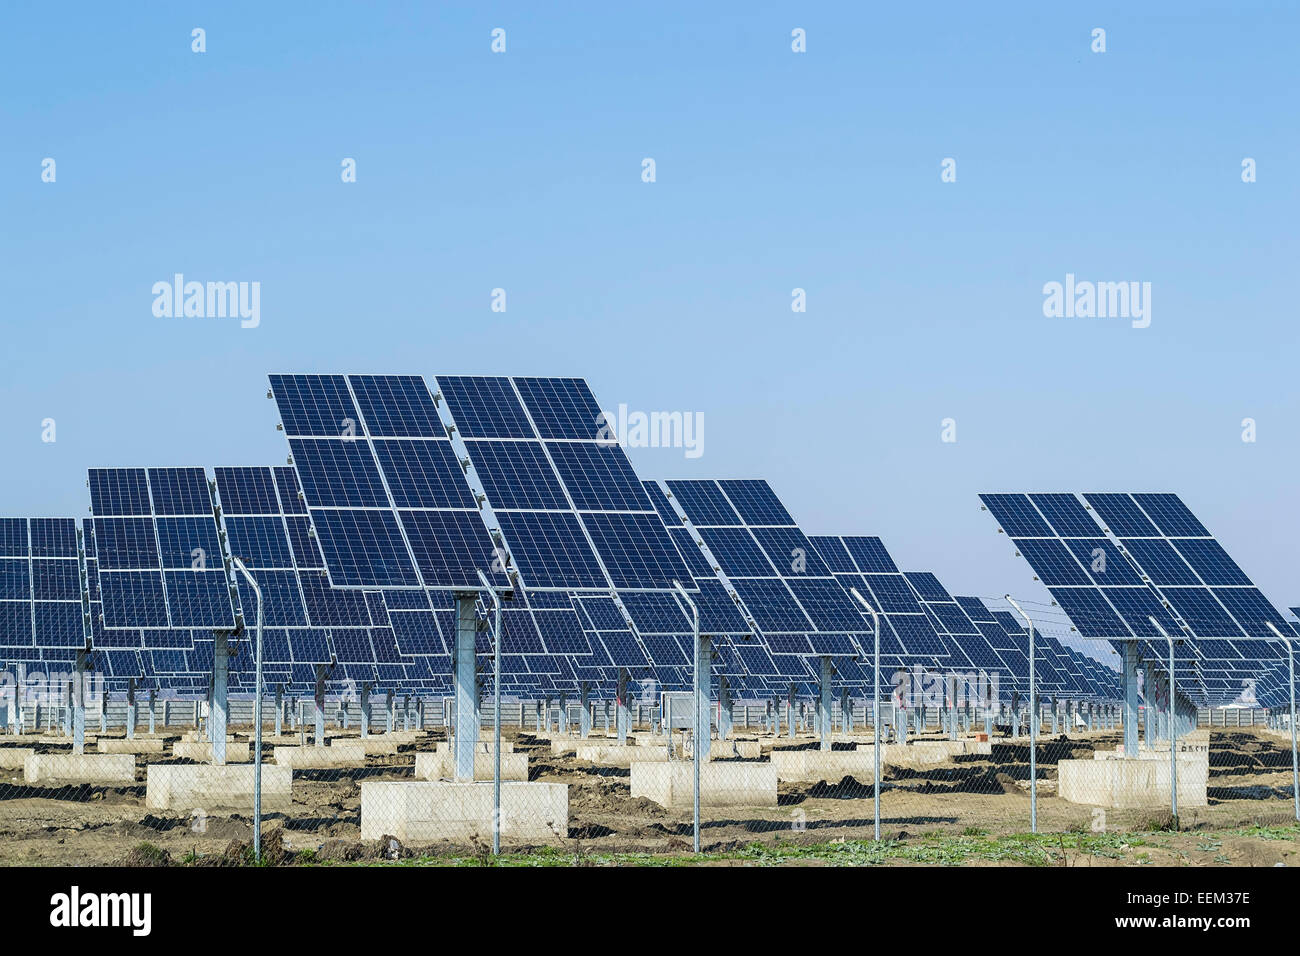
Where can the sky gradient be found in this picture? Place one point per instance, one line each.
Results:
(775, 171)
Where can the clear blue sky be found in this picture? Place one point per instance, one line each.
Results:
(775, 170)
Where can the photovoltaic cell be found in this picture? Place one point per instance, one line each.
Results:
(159, 560)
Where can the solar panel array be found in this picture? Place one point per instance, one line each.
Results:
(382, 484)
(1113, 561)
(786, 589)
(42, 616)
(158, 553)
(922, 625)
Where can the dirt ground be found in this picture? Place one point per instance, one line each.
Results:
(1250, 785)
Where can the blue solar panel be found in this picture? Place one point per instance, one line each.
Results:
(1121, 516)
(703, 503)
(364, 549)
(1065, 513)
(517, 475)
(1053, 562)
(390, 504)
(424, 474)
(755, 502)
(319, 405)
(869, 555)
(485, 407)
(159, 559)
(562, 408)
(1171, 516)
(551, 550)
(1017, 516)
(598, 477)
(396, 406)
(42, 613)
(1210, 562)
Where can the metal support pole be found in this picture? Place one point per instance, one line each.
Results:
(365, 710)
(153, 715)
(79, 704)
(220, 677)
(465, 675)
(621, 719)
(257, 716)
(496, 714)
(824, 704)
(790, 718)
(1130, 699)
(279, 710)
(1033, 722)
(584, 717)
(725, 705)
(1173, 727)
(701, 709)
(1295, 761)
(130, 709)
(319, 708)
(16, 712)
(875, 705)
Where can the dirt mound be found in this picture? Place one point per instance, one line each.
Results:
(146, 854)
(352, 851)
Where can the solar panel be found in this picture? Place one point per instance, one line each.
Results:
(907, 633)
(159, 558)
(572, 513)
(1147, 557)
(382, 483)
(784, 586)
(42, 614)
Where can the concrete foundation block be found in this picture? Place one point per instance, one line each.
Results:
(111, 745)
(420, 811)
(202, 751)
(379, 746)
(441, 765)
(113, 769)
(616, 756)
(58, 740)
(1124, 783)
(813, 766)
(730, 749)
(190, 786)
(13, 758)
(568, 745)
(341, 753)
(671, 783)
(482, 747)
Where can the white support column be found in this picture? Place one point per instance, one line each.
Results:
(466, 679)
(824, 704)
(318, 699)
(220, 677)
(622, 718)
(79, 704)
(130, 709)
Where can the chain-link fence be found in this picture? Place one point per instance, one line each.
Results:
(360, 773)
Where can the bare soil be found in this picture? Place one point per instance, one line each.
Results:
(1250, 785)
